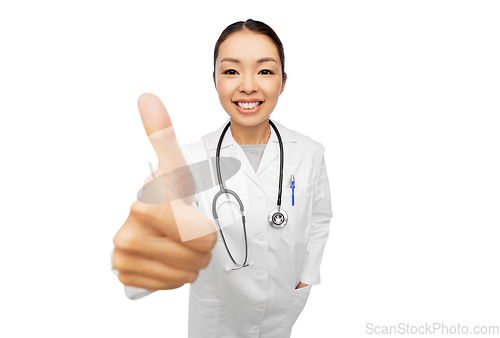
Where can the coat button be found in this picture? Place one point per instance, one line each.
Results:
(255, 328)
(259, 273)
(260, 307)
(259, 194)
(261, 238)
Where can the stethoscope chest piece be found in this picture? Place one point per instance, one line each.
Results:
(278, 218)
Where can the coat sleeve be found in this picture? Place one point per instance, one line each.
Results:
(320, 224)
(133, 292)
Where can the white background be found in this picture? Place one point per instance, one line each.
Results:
(403, 94)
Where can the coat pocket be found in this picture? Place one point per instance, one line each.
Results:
(299, 217)
(299, 301)
(203, 317)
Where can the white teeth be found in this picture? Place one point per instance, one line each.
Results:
(248, 105)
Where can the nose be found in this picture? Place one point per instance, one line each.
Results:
(248, 84)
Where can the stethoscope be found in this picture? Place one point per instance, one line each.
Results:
(277, 218)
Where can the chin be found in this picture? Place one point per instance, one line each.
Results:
(249, 121)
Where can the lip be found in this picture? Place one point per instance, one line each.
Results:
(248, 111)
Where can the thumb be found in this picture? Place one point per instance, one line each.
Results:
(160, 131)
(171, 162)
(176, 175)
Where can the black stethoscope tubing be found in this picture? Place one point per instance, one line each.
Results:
(242, 210)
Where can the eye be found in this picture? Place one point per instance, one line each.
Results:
(230, 72)
(266, 72)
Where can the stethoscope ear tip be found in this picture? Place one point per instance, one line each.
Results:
(250, 263)
(227, 268)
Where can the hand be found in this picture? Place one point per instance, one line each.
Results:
(149, 252)
(301, 285)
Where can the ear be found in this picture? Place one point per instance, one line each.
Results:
(215, 83)
(283, 84)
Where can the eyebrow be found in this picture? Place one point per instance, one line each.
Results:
(267, 59)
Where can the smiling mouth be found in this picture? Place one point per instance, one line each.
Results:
(248, 106)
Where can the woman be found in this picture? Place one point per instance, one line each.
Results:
(258, 285)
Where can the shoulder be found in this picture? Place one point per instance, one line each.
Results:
(197, 150)
(305, 143)
(193, 152)
(304, 139)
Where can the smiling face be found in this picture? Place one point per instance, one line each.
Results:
(248, 77)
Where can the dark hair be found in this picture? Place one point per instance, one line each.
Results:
(253, 26)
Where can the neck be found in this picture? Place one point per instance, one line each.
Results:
(258, 134)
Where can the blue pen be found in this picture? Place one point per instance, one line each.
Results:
(293, 190)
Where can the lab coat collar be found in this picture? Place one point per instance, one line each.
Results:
(270, 153)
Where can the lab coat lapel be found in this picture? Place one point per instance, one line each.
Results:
(235, 151)
(246, 166)
(270, 153)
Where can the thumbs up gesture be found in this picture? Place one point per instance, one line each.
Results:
(163, 246)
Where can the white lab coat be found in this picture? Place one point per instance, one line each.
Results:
(260, 300)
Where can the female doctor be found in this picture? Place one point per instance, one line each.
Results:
(252, 254)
